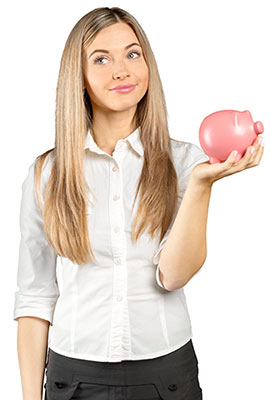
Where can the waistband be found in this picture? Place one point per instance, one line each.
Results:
(125, 372)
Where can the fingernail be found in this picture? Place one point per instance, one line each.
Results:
(261, 141)
(252, 150)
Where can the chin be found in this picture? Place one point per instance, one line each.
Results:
(122, 105)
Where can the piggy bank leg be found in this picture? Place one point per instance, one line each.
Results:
(214, 160)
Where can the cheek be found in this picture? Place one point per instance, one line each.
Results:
(96, 82)
(145, 76)
(141, 72)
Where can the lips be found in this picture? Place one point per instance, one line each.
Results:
(123, 87)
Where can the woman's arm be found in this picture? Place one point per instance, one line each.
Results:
(38, 292)
(32, 341)
(185, 249)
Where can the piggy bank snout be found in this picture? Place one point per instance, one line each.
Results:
(258, 127)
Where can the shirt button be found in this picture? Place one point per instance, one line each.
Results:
(118, 261)
(116, 229)
(115, 168)
(115, 197)
(119, 298)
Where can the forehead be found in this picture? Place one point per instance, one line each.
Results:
(114, 36)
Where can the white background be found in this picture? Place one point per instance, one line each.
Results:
(212, 55)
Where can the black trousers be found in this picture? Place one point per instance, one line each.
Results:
(173, 376)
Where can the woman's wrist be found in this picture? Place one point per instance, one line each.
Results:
(201, 184)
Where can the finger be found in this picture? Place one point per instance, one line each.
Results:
(252, 155)
(231, 159)
(257, 146)
(251, 152)
(259, 153)
(244, 161)
(253, 158)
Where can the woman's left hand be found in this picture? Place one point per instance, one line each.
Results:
(207, 173)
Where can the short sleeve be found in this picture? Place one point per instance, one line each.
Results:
(36, 273)
(157, 256)
(194, 155)
(186, 157)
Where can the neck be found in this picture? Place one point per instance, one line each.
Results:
(110, 126)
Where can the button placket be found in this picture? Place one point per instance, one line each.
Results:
(117, 218)
(118, 335)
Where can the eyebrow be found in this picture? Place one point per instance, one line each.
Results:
(106, 51)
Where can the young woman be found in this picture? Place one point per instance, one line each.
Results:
(106, 200)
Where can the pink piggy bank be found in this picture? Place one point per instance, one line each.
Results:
(227, 130)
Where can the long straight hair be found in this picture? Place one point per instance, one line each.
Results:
(66, 195)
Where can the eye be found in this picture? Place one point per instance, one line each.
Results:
(96, 60)
(134, 52)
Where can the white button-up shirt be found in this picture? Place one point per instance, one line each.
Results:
(116, 309)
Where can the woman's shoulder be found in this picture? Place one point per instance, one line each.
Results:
(46, 159)
(48, 162)
(186, 152)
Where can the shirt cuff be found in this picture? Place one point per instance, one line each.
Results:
(159, 281)
(32, 306)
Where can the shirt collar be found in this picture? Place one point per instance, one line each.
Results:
(134, 140)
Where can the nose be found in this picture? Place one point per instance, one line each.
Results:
(120, 69)
(120, 75)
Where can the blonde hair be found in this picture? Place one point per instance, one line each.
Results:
(66, 193)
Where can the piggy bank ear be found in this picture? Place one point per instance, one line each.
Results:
(245, 114)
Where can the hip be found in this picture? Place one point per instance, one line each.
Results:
(172, 376)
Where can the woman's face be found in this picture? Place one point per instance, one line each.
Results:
(103, 70)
